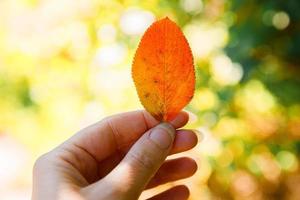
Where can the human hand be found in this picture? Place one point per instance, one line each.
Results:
(117, 158)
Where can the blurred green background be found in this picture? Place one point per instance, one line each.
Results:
(65, 64)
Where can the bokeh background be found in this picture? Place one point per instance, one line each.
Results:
(65, 64)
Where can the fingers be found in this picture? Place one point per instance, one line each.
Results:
(180, 192)
(140, 163)
(173, 170)
(107, 136)
(180, 120)
(184, 140)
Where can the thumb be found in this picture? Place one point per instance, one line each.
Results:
(143, 160)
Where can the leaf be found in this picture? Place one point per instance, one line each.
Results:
(163, 70)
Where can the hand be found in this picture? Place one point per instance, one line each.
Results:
(117, 158)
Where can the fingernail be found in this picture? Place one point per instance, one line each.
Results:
(163, 135)
(199, 134)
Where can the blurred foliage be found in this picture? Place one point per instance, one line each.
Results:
(65, 64)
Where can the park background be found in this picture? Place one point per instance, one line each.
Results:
(65, 64)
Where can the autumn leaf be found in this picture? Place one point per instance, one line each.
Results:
(163, 70)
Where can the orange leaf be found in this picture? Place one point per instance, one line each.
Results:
(163, 70)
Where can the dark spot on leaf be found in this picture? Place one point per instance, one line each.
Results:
(155, 80)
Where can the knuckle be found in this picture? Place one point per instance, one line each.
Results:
(142, 160)
(40, 162)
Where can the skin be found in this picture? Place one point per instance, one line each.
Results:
(117, 158)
